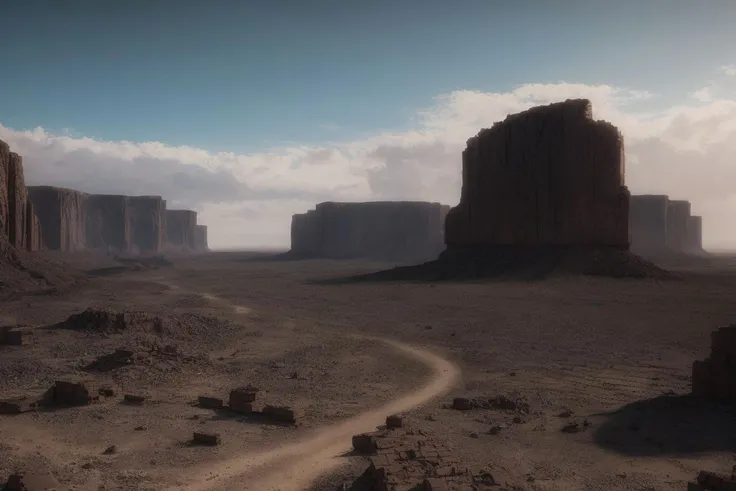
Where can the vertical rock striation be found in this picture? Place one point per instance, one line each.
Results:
(181, 228)
(107, 222)
(201, 238)
(147, 223)
(648, 222)
(678, 215)
(61, 215)
(547, 176)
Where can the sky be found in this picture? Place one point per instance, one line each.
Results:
(249, 112)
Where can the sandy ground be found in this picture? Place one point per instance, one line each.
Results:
(616, 353)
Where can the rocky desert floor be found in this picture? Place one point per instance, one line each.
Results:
(613, 356)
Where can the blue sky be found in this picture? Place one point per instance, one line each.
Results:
(241, 76)
(249, 112)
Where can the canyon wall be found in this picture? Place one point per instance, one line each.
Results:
(181, 229)
(648, 223)
(107, 222)
(60, 212)
(381, 230)
(678, 215)
(547, 176)
(201, 238)
(18, 223)
(695, 233)
(147, 223)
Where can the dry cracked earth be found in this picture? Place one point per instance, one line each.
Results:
(603, 365)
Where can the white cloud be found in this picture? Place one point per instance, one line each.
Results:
(703, 95)
(729, 70)
(685, 151)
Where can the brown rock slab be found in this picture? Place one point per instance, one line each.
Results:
(241, 399)
(281, 414)
(202, 438)
(365, 443)
(207, 402)
(134, 398)
(394, 421)
(462, 404)
(69, 393)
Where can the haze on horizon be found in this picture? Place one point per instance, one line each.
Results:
(251, 113)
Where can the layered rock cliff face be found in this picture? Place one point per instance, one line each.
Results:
(648, 221)
(547, 176)
(107, 222)
(678, 215)
(201, 238)
(147, 223)
(181, 229)
(61, 215)
(18, 223)
(695, 233)
(396, 231)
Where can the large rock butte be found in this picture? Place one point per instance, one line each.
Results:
(147, 223)
(61, 215)
(648, 221)
(201, 238)
(381, 230)
(547, 176)
(678, 215)
(107, 222)
(18, 223)
(181, 229)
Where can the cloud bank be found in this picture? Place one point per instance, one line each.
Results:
(685, 150)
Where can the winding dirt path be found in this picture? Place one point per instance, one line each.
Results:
(295, 466)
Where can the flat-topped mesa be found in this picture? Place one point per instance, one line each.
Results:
(107, 222)
(181, 229)
(695, 234)
(382, 230)
(147, 223)
(549, 176)
(60, 213)
(18, 228)
(678, 216)
(201, 238)
(648, 223)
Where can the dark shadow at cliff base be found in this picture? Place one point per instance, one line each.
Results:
(668, 425)
(519, 264)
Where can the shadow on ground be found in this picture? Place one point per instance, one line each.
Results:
(668, 425)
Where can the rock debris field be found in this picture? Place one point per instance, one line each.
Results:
(396, 346)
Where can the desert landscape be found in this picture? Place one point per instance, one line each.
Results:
(514, 341)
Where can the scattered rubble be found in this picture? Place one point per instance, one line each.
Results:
(712, 481)
(105, 363)
(517, 405)
(33, 480)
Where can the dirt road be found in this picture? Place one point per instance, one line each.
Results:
(295, 466)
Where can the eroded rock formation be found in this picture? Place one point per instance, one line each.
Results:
(107, 222)
(678, 215)
(648, 222)
(147, 223)
(383, 230)
(201, 236)
(18, 224)
(547, 176)
(61, 215)
(695, 233)
(181, 229)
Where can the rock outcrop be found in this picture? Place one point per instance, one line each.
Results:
(18, 223)
(695, 234)
(61, 215)
(107, 222)
(543, 194)
(678, 215)
(147, 223)
(181, 229)
(715, 378)
(201, 238)
(547, 176)
(34, 231)
(382, 230)
(648, 222)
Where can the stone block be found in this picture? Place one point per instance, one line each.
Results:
(394, 421)
(281, 414)
(71, 393)
(365, 443)
(134, 398)
(207, 402)
(241, 399)
(202, 438)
